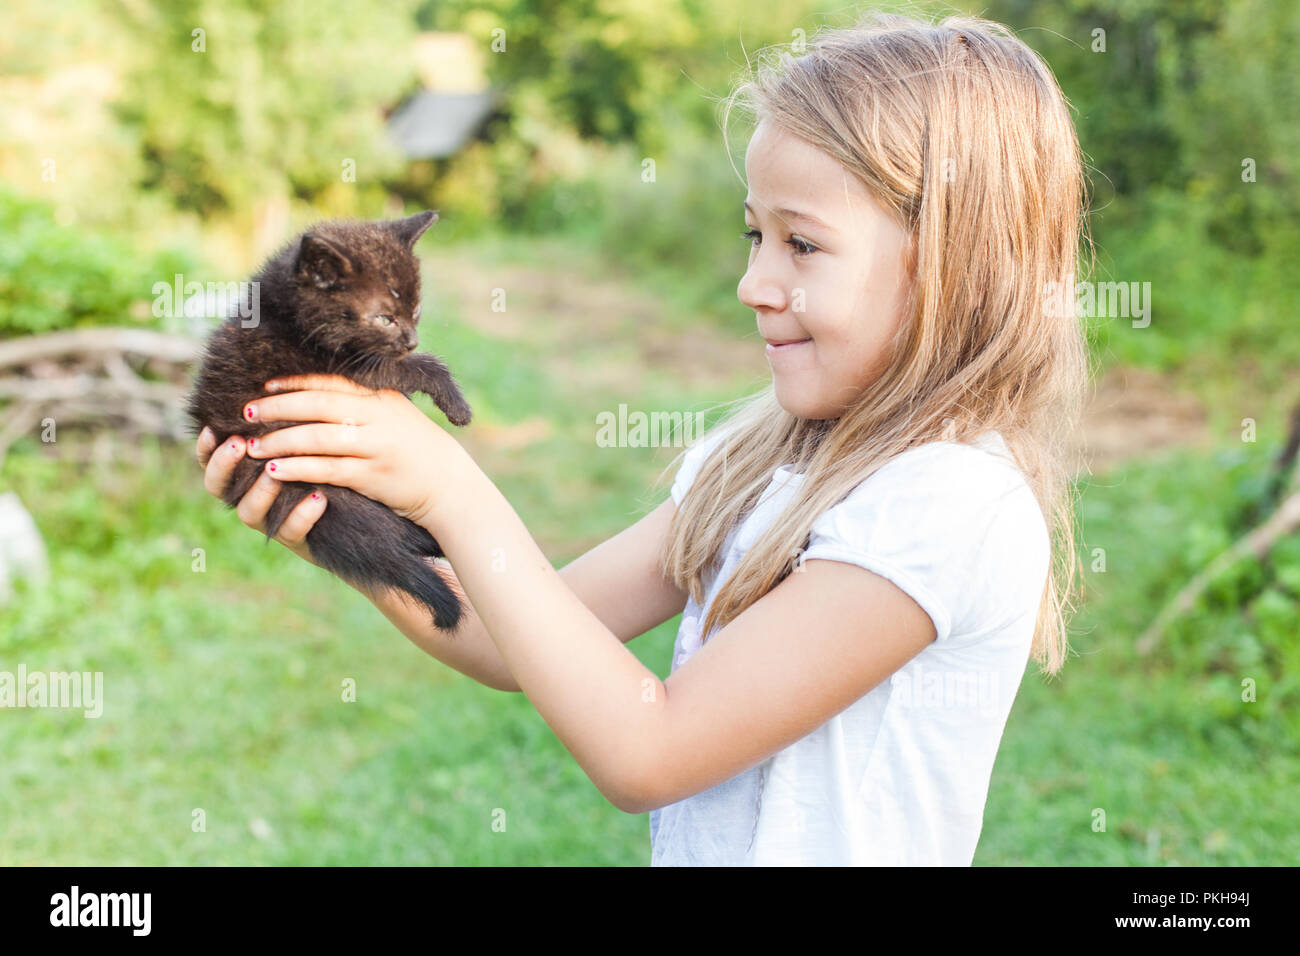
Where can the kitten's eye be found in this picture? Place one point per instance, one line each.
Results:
(385, 319)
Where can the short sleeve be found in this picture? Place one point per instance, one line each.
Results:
(693, 460)
(954, 527)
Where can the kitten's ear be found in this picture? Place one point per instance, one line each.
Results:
(321, 262)
(412, 228)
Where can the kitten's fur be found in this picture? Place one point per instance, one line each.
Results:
(343, 298)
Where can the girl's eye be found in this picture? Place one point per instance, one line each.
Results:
(801, 248)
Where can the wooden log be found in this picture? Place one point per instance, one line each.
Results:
(95, 376)
(79, 386)
(180, 349)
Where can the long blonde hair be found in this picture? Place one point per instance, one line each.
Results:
(961, 132)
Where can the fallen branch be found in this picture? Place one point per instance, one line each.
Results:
(1284, 519)
(96, 376)
(160, 345)
(86, 386)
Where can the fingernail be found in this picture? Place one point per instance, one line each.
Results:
(233, 447)
(252, 443)
(271, 466)
(315, 494)
(250, 412)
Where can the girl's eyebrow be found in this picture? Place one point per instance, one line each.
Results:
(802, 216)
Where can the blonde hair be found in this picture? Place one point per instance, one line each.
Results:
(961, 132)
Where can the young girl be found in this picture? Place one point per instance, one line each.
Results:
(862, 555)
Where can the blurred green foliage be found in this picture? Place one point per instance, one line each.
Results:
(1177, 105)
(1234, 654)
(55, 277)
(236, 102)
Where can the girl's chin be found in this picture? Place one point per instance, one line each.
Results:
(798, 402)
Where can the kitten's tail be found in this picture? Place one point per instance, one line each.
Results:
(369, 546)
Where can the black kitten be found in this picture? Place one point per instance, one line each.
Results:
(343, 298)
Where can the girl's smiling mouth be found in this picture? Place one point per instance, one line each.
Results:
(781, 346)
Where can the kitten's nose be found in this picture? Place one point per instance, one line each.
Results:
(410, 340)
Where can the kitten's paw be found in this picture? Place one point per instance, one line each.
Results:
(458, 413)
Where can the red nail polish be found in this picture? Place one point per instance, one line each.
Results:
(252, 443)
(234, 447)
(271, 467)
(248, 412)
(315, 494)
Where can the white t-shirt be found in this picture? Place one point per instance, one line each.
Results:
(899, 777)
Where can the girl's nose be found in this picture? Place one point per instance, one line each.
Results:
(759, 293)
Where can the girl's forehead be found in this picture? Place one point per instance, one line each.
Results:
(776, 151)
(786, 172)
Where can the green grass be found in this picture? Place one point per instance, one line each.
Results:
(224, 686)
(1185, 772)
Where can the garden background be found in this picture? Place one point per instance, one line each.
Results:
(143, 140)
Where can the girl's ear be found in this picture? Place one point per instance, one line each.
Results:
(412, 228)
(322, 263)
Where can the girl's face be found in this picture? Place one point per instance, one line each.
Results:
(826, 269)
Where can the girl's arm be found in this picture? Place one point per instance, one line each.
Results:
(468, 650)
(619, 581)
(790, 662)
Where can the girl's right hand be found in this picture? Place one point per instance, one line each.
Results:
(252, 508)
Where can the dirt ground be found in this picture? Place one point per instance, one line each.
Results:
(1135, 413)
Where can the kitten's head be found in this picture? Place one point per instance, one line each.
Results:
(359, 285)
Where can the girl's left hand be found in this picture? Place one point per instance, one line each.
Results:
(377, 443)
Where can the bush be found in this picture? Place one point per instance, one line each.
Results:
(60, 277)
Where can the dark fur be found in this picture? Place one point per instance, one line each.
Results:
(319, 300)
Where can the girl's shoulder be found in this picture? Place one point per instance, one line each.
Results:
(965, 484)
(955, 525)
(987, 451)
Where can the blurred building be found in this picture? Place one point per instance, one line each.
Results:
(454, 103)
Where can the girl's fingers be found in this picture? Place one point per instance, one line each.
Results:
(252, 508)
(331, 470)
(320, 439)
(221, 464)
(300, 520)
(204, 445)
(335, 383)
(310, 406)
